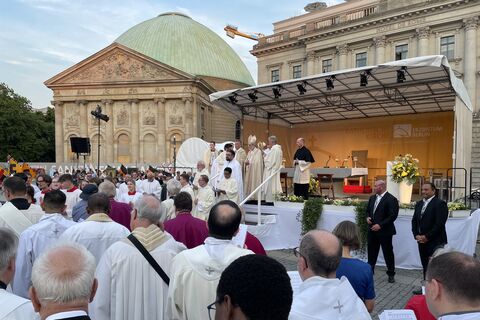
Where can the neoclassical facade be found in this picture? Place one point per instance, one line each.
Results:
(150, 96)
(369, 32)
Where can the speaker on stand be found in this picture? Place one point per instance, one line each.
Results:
(80, 146)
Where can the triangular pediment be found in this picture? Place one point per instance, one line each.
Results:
(116, 64)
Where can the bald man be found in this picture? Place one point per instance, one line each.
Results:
(319, 256)
(63, 283)
(382, 211)
(302, 161)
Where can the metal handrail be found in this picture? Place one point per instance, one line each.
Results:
(259, 198)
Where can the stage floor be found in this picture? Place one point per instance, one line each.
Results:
(281, 229)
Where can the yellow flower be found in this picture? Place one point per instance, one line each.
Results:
(404, 174)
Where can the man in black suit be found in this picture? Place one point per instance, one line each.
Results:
(428, 223)
(382, 211)
(63, 283)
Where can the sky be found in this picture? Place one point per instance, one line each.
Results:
(40, 38)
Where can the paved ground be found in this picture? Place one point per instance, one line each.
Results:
(388, 296)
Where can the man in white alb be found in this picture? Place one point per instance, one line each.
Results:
(240, 154)
(195, 272)
(210, 155)
(186, 187)
(204, 200)
(237, 174)
(216, 172)
(71, 191)
(321, 295)
(128, 286)
(228, 188)
(273, 162)
(38, 237)
(99, 231)
(12, 306)
(151, 185)
(201, 170)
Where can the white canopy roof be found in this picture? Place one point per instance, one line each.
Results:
(429, 86)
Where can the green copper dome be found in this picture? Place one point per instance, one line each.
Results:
(178, 41)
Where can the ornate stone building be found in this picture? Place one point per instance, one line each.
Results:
(153, 82)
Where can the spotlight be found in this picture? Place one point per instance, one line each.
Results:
(233, 98)
(401, 74)
(364, 78)
(253, 96)
(302, 87)
(329, 83)
(276, 92)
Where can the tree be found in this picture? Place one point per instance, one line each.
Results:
(26, 134)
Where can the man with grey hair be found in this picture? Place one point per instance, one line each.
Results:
(63, 283)
(119, 211)
(273, 162)
(129, 287)
(168, 209)
(13, 307)
(319, 256)
(201, 170)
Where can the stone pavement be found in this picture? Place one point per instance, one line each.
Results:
(388, 295)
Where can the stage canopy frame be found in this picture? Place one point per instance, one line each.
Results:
(410, 86)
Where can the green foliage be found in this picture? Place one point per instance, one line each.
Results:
(361, 220)
(312, 210)
(25, 134)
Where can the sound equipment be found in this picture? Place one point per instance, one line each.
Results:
(80, 145)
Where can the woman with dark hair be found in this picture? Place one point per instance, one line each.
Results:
(30, 195)
(358, 273)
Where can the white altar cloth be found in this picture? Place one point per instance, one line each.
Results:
(283, 232)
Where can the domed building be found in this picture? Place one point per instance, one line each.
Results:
(153, 82)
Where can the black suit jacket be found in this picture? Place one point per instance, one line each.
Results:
(385, 214)
(432, 224)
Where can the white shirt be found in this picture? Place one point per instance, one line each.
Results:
(127, 198)
(15, 307)
(320, 298)
(188, 189)
(66, 314)
(168, 209)
(151, 187)
(72, 198)
(33, 241)
(97, 234)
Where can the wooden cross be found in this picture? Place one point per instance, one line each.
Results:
(339, 307)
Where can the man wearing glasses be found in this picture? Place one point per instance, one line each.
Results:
(43, 183)
(321, 295)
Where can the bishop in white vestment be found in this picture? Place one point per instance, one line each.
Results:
(273, 162)
(253, 168)
(228, 188)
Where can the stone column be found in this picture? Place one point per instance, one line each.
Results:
(108, 104)
(379, 43)
(342, 51)
(470, 25)
(188, 117)
(310, 64)
(423, 34)
(82, 104)
(135, 139)
(161, 126)
(59, 135)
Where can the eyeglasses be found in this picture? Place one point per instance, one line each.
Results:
(298, 254)
(211, 307)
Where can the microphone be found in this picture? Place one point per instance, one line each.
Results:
(326, 163)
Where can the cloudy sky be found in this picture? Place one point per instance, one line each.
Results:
(40, 38)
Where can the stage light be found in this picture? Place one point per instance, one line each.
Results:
(233, 98)
(364, 78)
(276, 92)
(401, 75)
(253, 96)
(302, 87)
(329, 83)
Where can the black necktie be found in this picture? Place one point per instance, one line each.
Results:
(3, 285)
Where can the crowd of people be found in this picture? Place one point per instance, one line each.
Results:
(161, 245)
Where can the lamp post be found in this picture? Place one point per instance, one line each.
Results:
(97, 113)
(174, 153)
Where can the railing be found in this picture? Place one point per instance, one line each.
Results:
(258, 191)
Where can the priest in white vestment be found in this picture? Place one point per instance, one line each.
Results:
(11, 306)
(253, 169)
(38, 237)
(228, 188)
(237, 172)
(71, 191)
(210, 155)
(128, 286)
(201, 170)
(273, 161)
(17, 214)
(168, 209)
(186, 187)
(216, 173)
(195, 272)
(321, 295)
(99, 231)
(151, 185)
(240, 154)
(204, 200)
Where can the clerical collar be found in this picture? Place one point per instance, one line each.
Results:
(72, 189)
(3, 285)
(131, 193)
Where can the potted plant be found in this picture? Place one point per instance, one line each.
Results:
(405, 172)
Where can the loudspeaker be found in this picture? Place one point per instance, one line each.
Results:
(80, 145)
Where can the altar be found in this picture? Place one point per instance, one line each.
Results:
(281, 229)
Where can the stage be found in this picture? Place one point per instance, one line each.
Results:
(281, 229)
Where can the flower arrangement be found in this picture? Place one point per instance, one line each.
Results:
(405, 168)
(313, 185)
(452, 206)
(291, 198)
